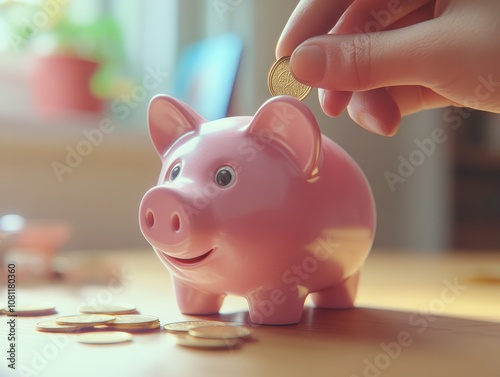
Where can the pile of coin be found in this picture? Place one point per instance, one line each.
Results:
(111, 324)
(103, 324)
(209, 334)
(281, 81)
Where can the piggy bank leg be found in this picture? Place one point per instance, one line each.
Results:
(339, 296)
(276, 306)
(194, 301)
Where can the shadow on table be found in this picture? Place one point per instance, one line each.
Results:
(373, 323)
(367, 341)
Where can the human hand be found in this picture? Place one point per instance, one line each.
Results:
(382, 59)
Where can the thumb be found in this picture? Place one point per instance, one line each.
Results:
(414, 55)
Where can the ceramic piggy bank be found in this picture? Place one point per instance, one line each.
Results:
(263, 207)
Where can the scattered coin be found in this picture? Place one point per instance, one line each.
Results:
(108, 309)
(282, 82)
(134, 319)
(220, 332)
(185, 326)
(31, 310)
(191, 341)
(134, 322)
(85, 319)
(104, 337)
(53, 326)
(131, 328)
(97, 326)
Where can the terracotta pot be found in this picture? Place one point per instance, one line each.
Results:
(61, 85)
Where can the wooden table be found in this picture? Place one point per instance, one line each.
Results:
(416, 315)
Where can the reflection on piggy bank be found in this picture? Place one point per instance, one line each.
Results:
(263, 207)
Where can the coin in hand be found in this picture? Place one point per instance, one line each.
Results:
(282, 82)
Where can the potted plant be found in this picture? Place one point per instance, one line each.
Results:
(75, 65)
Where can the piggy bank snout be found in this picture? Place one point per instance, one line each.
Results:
(161, 218)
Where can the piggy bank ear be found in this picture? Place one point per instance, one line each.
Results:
(168, 120)
(292, 127)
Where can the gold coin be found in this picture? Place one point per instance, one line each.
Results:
(134, 320)
(132, 328)
(191, 341)
(281, 81)
(108, 309)
(31, 310)
(220, 332)
(104, 337)
(53, 326)
(185, 326)
(85, 319)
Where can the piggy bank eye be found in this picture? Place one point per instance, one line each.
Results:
(174, 172)
(225, 176)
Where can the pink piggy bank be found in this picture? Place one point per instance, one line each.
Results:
(263, 207)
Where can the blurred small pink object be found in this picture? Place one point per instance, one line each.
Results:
(32, 245)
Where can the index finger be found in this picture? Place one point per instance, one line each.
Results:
(309, 19)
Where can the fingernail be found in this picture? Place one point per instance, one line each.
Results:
(370, 123)
(321, 95)
(308, 63)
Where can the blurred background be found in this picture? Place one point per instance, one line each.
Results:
(75, 157)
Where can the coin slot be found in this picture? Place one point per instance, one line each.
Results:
(150, 218)
(176, 222)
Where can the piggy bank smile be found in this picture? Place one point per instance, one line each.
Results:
(187, 262)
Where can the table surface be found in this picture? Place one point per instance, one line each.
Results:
(416, 315)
